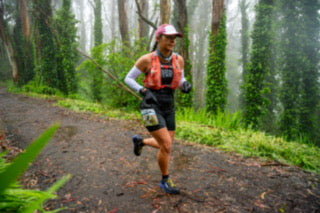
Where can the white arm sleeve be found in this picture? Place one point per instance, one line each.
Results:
(131, 79)
(183, 79)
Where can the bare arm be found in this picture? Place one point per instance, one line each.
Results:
(144, 63)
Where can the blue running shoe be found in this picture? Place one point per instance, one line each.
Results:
(169, 187)
(137, 145)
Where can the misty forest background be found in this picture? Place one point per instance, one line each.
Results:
(256, 58)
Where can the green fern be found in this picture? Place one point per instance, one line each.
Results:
(15, 199)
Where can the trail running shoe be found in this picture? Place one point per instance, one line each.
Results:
(137, 145)
(169, 186)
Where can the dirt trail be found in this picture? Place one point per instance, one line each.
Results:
(107, 177)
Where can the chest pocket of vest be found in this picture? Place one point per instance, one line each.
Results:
(166, 74)
(153, 79)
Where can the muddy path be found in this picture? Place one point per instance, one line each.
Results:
(108, 177)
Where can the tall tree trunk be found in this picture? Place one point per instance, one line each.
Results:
(46, 48)
(183, 45)
(291, 66)
(191, 8)
(165, 11)
(5, 68)
(198, 46)
(257, 85)
(56, 5)
(123, 21)
(83, 35)
(98, 35)
(22, 43)
(310, 75)
(113, 20)
(216, 75)
(143, 26)
(67, 57)
(244, 42)
(6, 38)
(182, 23)
(96, 74)
(25, 18)
(217, 13)
(91, 42)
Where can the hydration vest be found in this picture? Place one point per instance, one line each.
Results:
(153, 79)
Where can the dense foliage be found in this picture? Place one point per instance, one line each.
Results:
(15, 199)
(54, 49)
(244, 42)
(96, 74)
(282, 83)
(118, 60)
(255, 87)
(45, 47)
(310, 73)
(216, 72)
(300, 69)
(4, 64)
(98, 35)
(67, 56)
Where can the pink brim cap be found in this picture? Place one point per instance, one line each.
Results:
(167, 29)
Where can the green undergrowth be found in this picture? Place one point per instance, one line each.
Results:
(97, 108)
(13, 198)
(250, 143)
(223, 130)
(225, 120)
(32, 87)
(78, 104)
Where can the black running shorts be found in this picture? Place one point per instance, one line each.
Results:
(166, 119)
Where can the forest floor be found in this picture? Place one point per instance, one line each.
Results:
(108, 177)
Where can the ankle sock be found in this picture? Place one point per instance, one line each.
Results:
(165, 177)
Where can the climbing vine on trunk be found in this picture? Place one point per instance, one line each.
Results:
(216, 75)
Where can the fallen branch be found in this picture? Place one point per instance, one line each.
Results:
(275, 164)
(110, 75)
